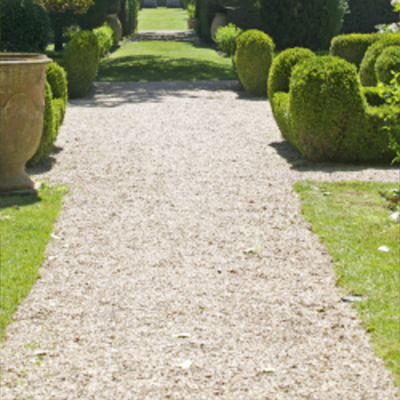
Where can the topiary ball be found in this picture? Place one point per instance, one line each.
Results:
(281, 69)
(253, 60)
(25, 26)
(81, 62)
(388, 64)
(327, 109)
(367, 68)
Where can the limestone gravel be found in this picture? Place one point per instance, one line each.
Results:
(151, 295)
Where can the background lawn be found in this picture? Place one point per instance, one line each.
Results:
(26, 223)
(353, 220)
(155, 61)
(162, 19)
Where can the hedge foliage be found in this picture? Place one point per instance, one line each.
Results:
(128, 15)
(253, 60)
(205, 12)
(55, 105)
(105, 37)
(25, 26)
(95, 16)
(367, 67)
(81, 62)
(310, 24)
(388, 64)
(366, 14)
(247, 18)
(326, 116)
(352, 47)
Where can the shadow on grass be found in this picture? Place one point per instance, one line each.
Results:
(154, 68)
(18, 200)
(298, 163)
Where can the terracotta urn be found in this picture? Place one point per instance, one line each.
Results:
(116, 26)
(220, 19)
(22, 78)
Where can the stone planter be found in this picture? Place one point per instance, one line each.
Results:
(116, 26)
(22, 78)
(220, 19)
(191, 23)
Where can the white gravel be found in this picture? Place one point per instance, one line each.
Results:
(151, 295)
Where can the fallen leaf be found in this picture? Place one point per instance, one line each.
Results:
(251, 250)
(55, 237)
(268, 370)
(183, 335)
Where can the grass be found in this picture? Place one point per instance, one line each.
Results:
(25, 226)
(156, 61)
(162, 19)
(352, 220)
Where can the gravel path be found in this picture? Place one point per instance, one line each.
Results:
(151, 296)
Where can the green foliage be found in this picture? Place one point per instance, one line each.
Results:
(191, 10)
(25, 232)
(204, 15)
(81, 63)
(352, 47)
(95, 16)
(281, 69)
(49, 132)
(25, 26)
(77, 6)
(253, 60)
(310, 24)
(367, 67)
(388, 64)
(56, 97)
(105, 37)
(226, 38)
(128, 15)
(326, 115)
(245, 18)
(372, 95)
(366, 14)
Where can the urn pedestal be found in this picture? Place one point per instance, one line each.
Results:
(22, 78)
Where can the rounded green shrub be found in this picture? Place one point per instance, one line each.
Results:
(253, 60)
(387, 64)
(81, 62)
(352, 47)
(367, 68)
(105, 37)
(49, 131)
(327, 108)
(57, 77)
(281, 69)
(226, 38)
(25, 26)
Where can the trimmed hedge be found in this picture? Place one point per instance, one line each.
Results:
(253, 60)
(366, 14)
(81, 62)
(205, 12)
(245, 18)
(367, 67)
(105, 37)
(128, 15)
(352, 47)
(25, 26)
(326, 116)
(55, 105)
(372, 95)
(387, 64)
(310, 24)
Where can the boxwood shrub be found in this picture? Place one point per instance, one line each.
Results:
(81, 62)
(105, 37)
(253, 60)
(352, 47)
(367, 68)
(387, 64)
(56, 97)
(25, 26)
(326, 115)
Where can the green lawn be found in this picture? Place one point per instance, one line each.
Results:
(165, 61)
(353, 220)
(162, 19)
(25, 226)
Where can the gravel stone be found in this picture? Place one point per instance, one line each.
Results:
(169, 184)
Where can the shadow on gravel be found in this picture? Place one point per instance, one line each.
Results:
(114, 94)
(298, 163)
(47, 164)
